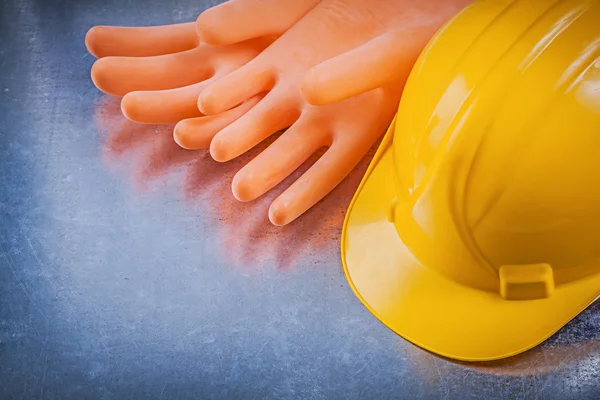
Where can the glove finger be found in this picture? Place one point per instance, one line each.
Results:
(279, 160)
(163, 106)
(235, 88)
(103, 41)
(323, 176)
(197, 133)
(272, 114)
(121, 75)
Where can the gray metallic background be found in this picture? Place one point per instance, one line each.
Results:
(127, 269)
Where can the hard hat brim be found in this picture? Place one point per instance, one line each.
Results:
(425, 307)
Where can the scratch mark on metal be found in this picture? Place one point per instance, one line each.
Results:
(261, 349)
(193, 331)
(546, 382)
(439, 372)
(46, 275)
(162, 391)
(23, 287)
(43, 378)
(364, 366)
(11, 310)
(467, 375)
(101, 339)
(43, 348)
(24, 391)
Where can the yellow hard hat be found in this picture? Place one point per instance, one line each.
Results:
(475, 232)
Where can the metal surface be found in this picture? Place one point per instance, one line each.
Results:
(127, 269)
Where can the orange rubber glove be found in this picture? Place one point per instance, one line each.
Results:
(340, 49)
(161, 70)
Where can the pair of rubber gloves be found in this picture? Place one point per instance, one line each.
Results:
(329, 72)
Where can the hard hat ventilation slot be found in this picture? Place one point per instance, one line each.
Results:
(526, 282)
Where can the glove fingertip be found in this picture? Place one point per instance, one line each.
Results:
(92, 39)
(209, 30)
(279, 215)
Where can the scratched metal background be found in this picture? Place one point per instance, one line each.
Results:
(127, 270)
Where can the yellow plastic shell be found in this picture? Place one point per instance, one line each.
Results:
(475, 232)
